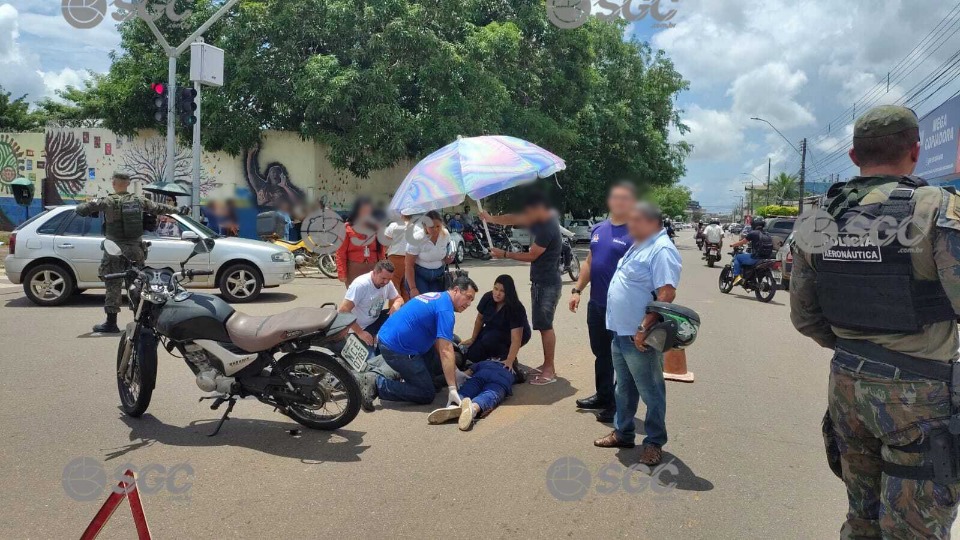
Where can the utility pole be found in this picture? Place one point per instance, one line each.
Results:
(172, 54)
(766, 197)
(803, 170)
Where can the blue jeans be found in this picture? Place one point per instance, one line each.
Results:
(741, 260)
(417, 384)
(487, 395)
(639, 375)
(428, 280)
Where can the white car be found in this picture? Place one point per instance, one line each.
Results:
(57, 253)
(580, 229)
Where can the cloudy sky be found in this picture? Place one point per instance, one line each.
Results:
(801, 64)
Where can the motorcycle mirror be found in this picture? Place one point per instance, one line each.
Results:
(111, 248)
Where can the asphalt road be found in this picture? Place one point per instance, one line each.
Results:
(745, 451)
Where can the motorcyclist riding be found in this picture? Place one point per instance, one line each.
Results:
(761, 247)
(713, 233)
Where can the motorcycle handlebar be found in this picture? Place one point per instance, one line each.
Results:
(118, 275)
(193, 273)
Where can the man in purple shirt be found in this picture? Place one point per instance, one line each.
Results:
(609, 240)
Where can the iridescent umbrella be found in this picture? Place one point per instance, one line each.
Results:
(474, 166)
(169, 189)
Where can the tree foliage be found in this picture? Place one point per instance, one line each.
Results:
(784, 187)
(776, 210)
(15, 114)
(384, 80)
(672, 199)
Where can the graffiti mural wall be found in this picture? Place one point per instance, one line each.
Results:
(284, 172)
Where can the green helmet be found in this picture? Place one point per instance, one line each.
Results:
(676, 328)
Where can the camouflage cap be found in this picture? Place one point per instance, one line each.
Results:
(885, 120)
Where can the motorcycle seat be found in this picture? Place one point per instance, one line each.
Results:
(255, 334)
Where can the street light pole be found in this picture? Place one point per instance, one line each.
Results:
(803, 157)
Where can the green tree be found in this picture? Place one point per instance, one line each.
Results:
(672, 200)
(15, 114)
(380, 81)
(784, 187)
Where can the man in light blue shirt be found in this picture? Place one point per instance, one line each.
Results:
(649, 270)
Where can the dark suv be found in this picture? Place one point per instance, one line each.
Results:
(779, 228)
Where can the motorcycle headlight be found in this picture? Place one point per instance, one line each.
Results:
(286, 256)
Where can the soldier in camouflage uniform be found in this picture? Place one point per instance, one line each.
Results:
(888, 310)
(123, 224)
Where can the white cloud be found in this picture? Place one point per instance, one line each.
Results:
(24, 70)
(770, 92)
(713, 134)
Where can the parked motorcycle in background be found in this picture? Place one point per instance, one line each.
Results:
(569, 261)
(304, 258)
(284, 360)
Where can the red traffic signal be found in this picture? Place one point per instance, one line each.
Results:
(159, 101)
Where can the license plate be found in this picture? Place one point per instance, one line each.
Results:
(712, 252)
(355, 352)
(777, 276)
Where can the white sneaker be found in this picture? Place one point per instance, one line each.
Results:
(444, 415)
(467, 415)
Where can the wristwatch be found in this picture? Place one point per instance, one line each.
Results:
(575, 291)
(641, 329)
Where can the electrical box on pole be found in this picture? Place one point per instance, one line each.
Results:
(206, 64)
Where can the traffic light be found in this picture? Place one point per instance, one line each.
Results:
(159, 101)
(187, 106)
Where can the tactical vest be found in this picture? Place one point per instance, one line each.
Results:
(762, 248)
(124, 221)
(865, 282)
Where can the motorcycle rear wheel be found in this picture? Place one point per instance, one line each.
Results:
(710, 261)
(327, 265)
(135, 395)
(336, 382)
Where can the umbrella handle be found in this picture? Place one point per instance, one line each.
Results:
(485, 228)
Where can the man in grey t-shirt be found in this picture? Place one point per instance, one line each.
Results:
(545, 283)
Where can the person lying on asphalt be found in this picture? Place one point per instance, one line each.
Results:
(418, 340)
(483, 387)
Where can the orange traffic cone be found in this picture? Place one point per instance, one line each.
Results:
(675, 366)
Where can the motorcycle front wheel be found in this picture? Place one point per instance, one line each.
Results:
(336, 398)
(137, 382)
(726, 280)
(327, 265)
(766, 286)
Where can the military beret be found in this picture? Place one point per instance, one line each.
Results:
(884, 120)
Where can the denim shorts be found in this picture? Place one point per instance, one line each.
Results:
(544, 299)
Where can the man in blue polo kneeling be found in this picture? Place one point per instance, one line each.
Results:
(415, 341)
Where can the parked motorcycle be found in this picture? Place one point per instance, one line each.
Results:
(760, 278)
(473, 242)
(303, 257)
(569, 261)
(711, 253)
(284, 360)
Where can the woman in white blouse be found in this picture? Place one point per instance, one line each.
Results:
(427, 256)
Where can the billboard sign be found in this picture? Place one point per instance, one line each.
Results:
(938, 141)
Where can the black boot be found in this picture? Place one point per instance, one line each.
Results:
(109, 326)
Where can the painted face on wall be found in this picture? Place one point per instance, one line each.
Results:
(8, 174)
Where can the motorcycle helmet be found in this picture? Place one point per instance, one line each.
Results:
(676, 328)
(758, 223)
(714, 221)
